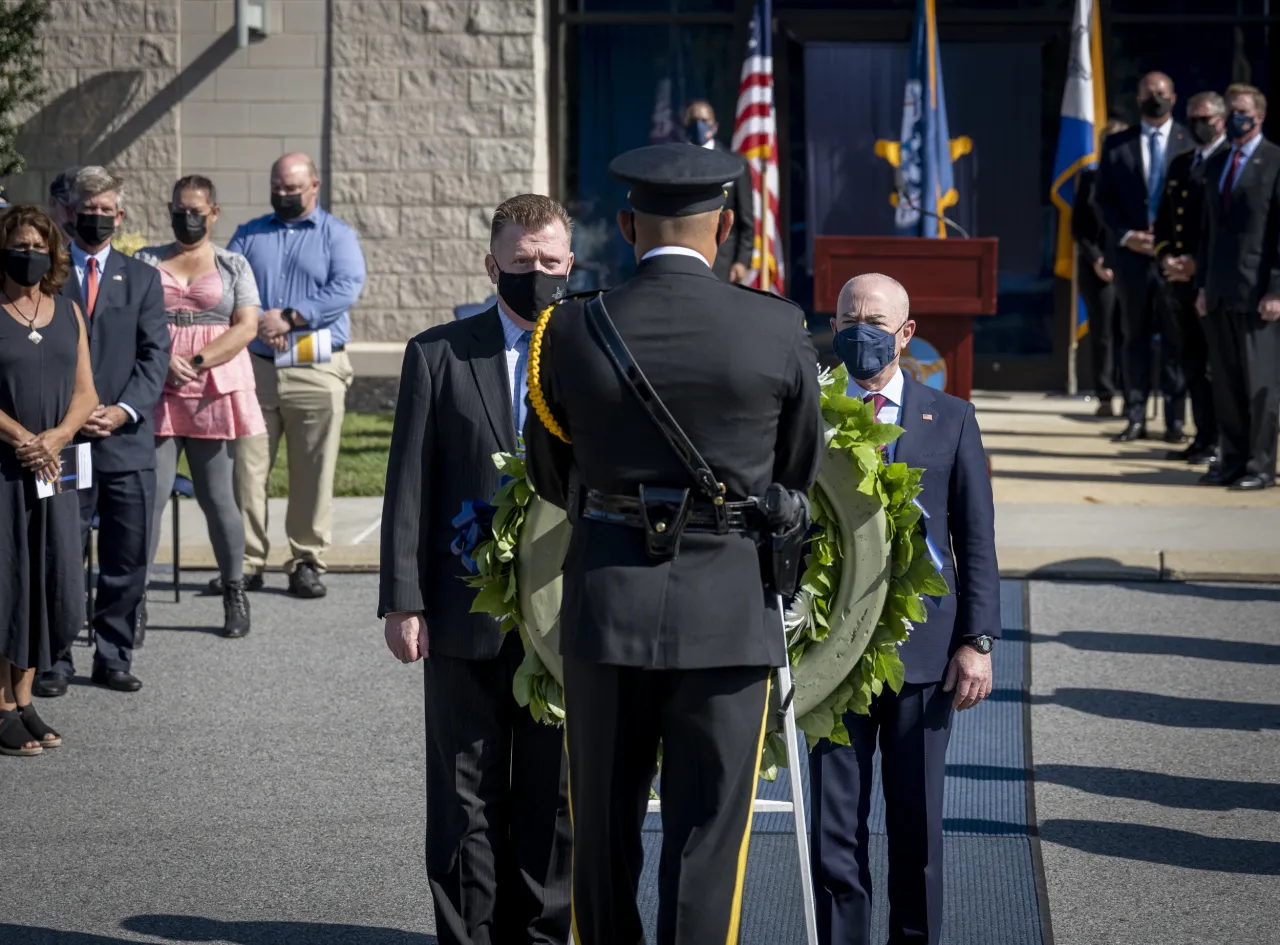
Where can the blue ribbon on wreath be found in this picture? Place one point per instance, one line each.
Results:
(935, 556)
(475, 526)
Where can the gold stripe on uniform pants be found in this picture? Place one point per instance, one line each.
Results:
(574, 937)
(735, 916)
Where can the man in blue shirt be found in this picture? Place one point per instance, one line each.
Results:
(310, 271)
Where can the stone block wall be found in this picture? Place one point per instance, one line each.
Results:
(436, 109)
(422, 115)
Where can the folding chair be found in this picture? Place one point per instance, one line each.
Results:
(795, 806)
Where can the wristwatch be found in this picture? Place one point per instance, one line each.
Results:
(981, 642)
(198, 360)
(291, 316)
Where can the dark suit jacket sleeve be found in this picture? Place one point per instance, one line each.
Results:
(1107, 199)
(548, 459)
(799, 448)
(745, 227)
(971, 520)
(406, 503)
(1273, 198)
(152, 366)
(1084, 217)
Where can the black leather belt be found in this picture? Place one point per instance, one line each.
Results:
(627, 510)
(271, 357)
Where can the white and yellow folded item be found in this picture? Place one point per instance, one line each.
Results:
(307, 348)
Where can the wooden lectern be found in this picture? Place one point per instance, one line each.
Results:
(949, 281)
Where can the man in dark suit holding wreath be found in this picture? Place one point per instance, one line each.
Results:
(946, 660)
(498, 832)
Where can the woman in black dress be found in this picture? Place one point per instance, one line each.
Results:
(46, 395)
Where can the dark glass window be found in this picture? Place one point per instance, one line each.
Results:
(627, 87)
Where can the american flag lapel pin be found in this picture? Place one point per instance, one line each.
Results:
(927, 416)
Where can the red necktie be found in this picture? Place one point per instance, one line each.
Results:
(878, 401)
(1236, 156)
(91, 286)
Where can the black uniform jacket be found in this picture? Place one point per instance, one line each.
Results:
(129, 348)
(1178, 220)
(738, 372)
(453, 413)
(1239, 258)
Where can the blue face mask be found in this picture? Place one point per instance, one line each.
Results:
(1239, 124)
(699, 132)
(865, 350)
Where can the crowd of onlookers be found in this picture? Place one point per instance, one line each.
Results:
(113, 366)
(1176, 236)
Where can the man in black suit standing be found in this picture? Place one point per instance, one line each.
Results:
(1177, 236)
(1131, 174)
(1238, 272)
(1097, 286)
(498, 831)
(947, 659)
(123, 306)
(733, 258)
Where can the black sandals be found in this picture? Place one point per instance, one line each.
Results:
(14, 735)
(39, 730)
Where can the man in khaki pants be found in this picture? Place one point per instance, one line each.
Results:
(310, 270)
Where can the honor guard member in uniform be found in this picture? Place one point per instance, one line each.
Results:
(668, 626)
(1177, 236)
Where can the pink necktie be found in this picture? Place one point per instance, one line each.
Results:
(91, 286)
(878, 401)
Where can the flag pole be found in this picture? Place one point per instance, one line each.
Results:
(1073, 322)
(766, 49)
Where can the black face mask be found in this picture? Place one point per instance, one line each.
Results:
(528, 294)
(287, 206)
(1203, 131)
(95, 228)
(1157, 106)
(24, 266)
(189, 227)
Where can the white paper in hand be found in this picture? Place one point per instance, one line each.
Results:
(77, 472)
(307, 348)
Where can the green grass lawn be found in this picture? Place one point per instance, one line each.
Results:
(362, 461)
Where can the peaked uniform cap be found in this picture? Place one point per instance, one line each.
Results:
(676, 179)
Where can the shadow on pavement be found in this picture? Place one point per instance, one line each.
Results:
(190, 928)
(1203, 648)
(1165, 846)
(1174, 711)
(186, 928)
(1169, 790)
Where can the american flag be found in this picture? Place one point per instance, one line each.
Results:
(755, 137)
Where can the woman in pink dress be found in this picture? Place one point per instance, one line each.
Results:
(209, 399)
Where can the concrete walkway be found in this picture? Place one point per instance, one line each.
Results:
(1156, 740)
(1069, 503)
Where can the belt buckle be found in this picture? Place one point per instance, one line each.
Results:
(184, 318)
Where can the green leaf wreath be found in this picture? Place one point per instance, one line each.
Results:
(851, 427)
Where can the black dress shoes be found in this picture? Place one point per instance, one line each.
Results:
(1134, 431)
(1252, 483)
(1199, 454)
(50, 685)
(116, 679)
(305, 582)
(235, 610)
(1216, 477)
(1175, 435)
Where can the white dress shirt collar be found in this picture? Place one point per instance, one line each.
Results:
(1202, 154)
(892, 392)
(81, 259)
(511, 332)
(1161, 130)
(675, 251)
